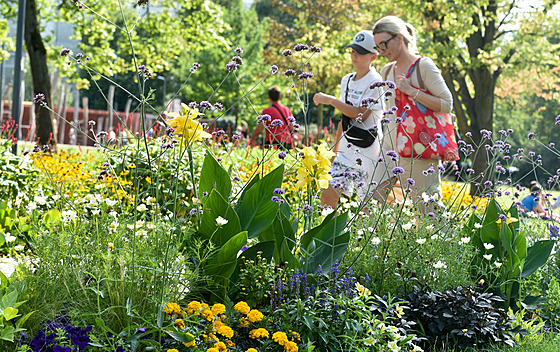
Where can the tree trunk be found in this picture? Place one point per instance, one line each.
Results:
(40, 73)
(482, 118)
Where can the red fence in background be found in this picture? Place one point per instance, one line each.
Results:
(130, 124)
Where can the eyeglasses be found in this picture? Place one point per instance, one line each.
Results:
(383, 44)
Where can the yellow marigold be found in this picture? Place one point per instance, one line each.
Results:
(259, 333)
(251, 350)
(193, 307)
(280, 338)
(218, 309)
(244, 322)
(221, 346)
(291, 346)
(242, 308)
(254, 316)
(172, 350)
(225, 331)
(212, 349)
(192, 343)
(217, 324)
(207, 313)
(179, 324)
(230, 343)
(173, 309)
(212, 338)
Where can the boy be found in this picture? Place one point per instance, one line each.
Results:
(359, 132)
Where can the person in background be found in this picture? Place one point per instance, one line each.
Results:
(355, 167)
(396, 40)
(534, 202)
(279, 122)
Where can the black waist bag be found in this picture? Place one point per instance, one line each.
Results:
(355, 135)
(358, 136)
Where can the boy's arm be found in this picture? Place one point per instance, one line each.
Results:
(347, 109)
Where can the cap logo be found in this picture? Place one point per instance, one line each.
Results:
(360, 38)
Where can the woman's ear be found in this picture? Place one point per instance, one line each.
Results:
(374, 57)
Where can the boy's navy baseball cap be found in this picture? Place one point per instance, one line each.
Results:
(363, 43)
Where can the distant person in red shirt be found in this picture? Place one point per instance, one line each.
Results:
(279, 122)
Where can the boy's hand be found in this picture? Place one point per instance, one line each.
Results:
(321, 98)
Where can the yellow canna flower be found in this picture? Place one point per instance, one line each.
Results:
(315, 168)
(186, 126)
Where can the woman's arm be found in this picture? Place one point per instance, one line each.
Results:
(439, 99)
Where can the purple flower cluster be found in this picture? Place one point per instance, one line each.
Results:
(48, 338)
(305, 75)
(195, 67)
(40, 99)
(263, 118)
(290, 72)
(143, 71)
(301, 47)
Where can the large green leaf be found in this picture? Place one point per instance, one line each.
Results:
(257, 210)
(222, 264)
(490, 232)
(214, 176)
(325, 244)
(537, 255)
(219, 267)
(329, 228)
(282, 232)
(327, 253)
(215, 206)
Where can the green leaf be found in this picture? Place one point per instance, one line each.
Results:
(257, 210)
(490, 232)
(8, 333)
(9, 300)
(327, 253)
(216, 206)
(325, 244)
(159, 318)
(214, 176)
(222, 264)
(10, 313)
(22, 320)
(51, 217)
(101, 323)
(282, 232)
(537, 256)
(329, 228)
(181, 336)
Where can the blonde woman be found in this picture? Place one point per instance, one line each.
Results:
(396, 40)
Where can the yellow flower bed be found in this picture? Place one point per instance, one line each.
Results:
(65, 168)
(456, 195)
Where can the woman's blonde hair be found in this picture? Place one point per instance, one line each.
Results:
(394, 25)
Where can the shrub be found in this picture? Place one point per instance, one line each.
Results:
(460, 316)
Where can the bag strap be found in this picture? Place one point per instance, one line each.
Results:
(347, 86)
(281, 114)
(418, 75)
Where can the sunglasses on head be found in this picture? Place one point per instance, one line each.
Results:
(383, 44)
